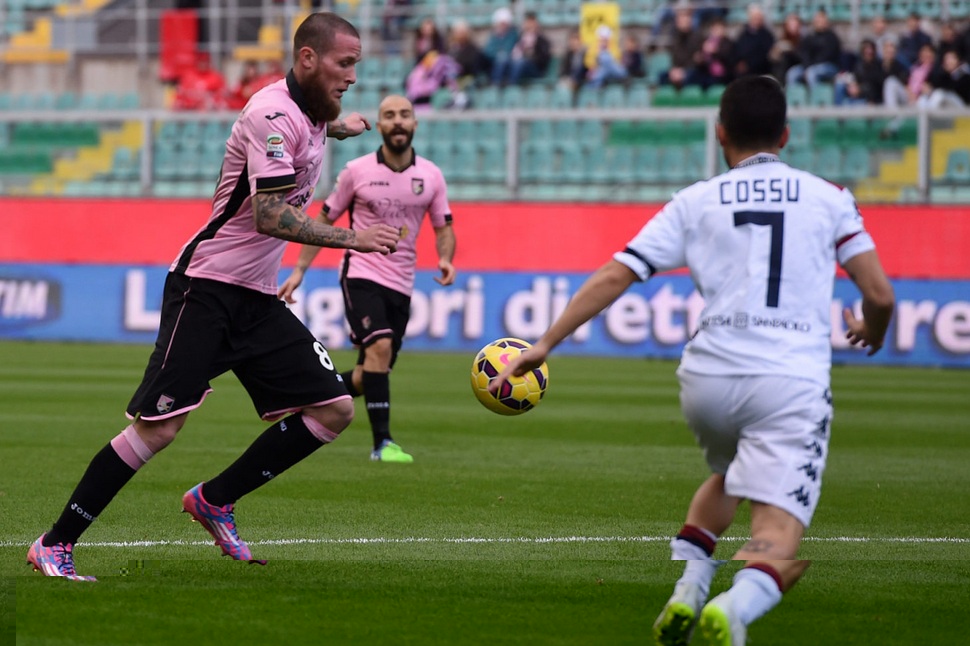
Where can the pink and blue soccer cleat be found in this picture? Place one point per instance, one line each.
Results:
(220, 522)
(56, 560)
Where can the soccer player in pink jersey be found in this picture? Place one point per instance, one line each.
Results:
(220, 311)
(395, 186)
(761, 242)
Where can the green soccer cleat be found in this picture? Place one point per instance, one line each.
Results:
(718, 625)
(676, 621)
(390, 452)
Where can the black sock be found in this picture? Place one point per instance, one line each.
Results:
(377, 394)
(348, 378)
(104, 478)
(279, 447)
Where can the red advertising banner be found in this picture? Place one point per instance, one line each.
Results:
(913, 241)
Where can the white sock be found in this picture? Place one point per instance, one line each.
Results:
(753, 594)
(700, 573)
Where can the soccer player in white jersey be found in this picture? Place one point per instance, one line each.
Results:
(761, 242)
(220, 311)
(396, 186)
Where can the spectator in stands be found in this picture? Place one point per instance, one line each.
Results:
(964, 41)
(467, 53)
(607, 68)
(532, 53)
(821, 54)
(752, 45)
(891, 67)
(896, 94)
(432, 73)
(912, 40)
(631, 56)
(393, 18)
(717, 56)
(247, 85)
(784, 54)
(200, 87)
(572, 65)
(879, 33)
(427, 38)
(949, 40)
(274, 72)
(949, 83)
(862, 85)
(685, 50)
(501, 41)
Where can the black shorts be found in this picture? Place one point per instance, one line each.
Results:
(208, 328)
(375, 312)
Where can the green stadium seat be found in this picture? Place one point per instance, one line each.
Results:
(587, 98)
(613, 96)
(828, 163)
(647, 166)
(512, 97)
(537, 96)
(638, 96)
(797, 95)
(665, 96)
(800, 131)
(857, 163)
(958, 166)
(823, 94)
(827, 131)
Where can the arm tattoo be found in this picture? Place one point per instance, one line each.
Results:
(276, 218)
(758, 546)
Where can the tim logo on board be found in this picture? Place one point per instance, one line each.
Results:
(26, 301)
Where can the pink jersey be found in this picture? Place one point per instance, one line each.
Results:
(373, 193)
(274, 146)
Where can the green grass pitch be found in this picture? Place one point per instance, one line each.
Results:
(548, 528)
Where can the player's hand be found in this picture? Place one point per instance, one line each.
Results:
(289, 286)
(381, 238)
(858, 332)
(526, 361)
(355, 124)
(448, 273)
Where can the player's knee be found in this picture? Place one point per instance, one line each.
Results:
(380, 350)
(333, 417)
(157, 434)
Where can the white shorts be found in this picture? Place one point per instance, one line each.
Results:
(768, 435)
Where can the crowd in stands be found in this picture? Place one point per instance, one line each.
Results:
(202, 87)
(921, 62)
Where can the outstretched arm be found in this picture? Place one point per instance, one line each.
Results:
(878, 302)
(275, 217)
(350, 126)
(595, 295)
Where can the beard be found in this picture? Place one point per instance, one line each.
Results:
(395, 148)
(323, 106)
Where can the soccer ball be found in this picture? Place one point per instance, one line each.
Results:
(519, 394)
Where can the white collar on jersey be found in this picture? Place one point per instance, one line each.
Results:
(760, 158)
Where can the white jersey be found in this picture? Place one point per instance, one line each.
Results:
(761, 242)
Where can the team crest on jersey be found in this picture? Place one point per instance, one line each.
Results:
(417, 185)
(164, 404)
(274, 145)
(366, 322)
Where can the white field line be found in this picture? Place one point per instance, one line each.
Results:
(523, 540)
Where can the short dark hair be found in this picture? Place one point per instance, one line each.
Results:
(753, 112)
(318, 32)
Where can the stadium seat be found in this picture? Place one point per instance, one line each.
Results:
(512, 97)
(958, 166)
(665, 96)
(828, 163)
(796, 94)
(613, 96)
(827, 131)
(537, 96)
(857, 163)
(823, 94)
(638, 96)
